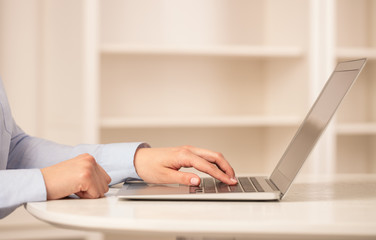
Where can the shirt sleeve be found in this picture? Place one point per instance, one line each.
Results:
(23, 182)
(18, 187)
(117, 160)
(27, 152)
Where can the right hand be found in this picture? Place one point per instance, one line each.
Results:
(161, 165)
(81, 175)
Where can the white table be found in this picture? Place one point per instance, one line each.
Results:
(342, 207)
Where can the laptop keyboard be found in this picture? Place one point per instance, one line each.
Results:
(211, 185)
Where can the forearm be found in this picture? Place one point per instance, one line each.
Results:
(30, 152)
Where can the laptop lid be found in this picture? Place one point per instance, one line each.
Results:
(339, 83)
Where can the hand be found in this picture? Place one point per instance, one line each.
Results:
(161, 165)
(80, 175)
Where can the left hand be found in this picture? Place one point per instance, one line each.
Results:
(161, 165)
(81, 175)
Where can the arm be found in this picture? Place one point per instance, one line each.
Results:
(18, 187)
(120, 160)
(89, 168)
(87, 175)
(28, 152)
(83, 176)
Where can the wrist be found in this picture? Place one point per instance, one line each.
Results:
(138, 155)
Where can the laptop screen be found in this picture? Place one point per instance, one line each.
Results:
(315, 123)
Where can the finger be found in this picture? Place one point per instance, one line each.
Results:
(213, 157)
(87, 195)
(207, 167)
(175, 176)
(103, 178)
(104, 174)
(101, 183)
(96, 186)
(94, 192)
(80, 194)
(84, 194)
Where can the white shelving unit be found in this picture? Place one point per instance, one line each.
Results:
(250, 65)
(356, 127)
(232, 73)
(211, 74)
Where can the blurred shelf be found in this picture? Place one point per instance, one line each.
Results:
(232, 51)
(346, 53)
(356, 129)
(212, 121)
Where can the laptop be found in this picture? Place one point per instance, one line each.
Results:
(259, 188)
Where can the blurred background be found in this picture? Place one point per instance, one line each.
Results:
(234, 76)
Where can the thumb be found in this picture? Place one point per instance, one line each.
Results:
(80, 194)
(183, 178)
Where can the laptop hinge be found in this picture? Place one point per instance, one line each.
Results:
(272, 185)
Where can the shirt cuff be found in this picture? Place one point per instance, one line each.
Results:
(117, 159)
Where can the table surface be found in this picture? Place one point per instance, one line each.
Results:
(341, 205)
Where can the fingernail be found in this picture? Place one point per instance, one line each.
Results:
(194, 181)
(233, 180)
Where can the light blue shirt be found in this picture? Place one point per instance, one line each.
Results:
(22, 156)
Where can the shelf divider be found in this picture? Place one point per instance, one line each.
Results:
(204, 121)
(231, 51)
(356, 129)
(346, 53)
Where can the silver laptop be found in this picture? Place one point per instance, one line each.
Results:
(263, 188)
